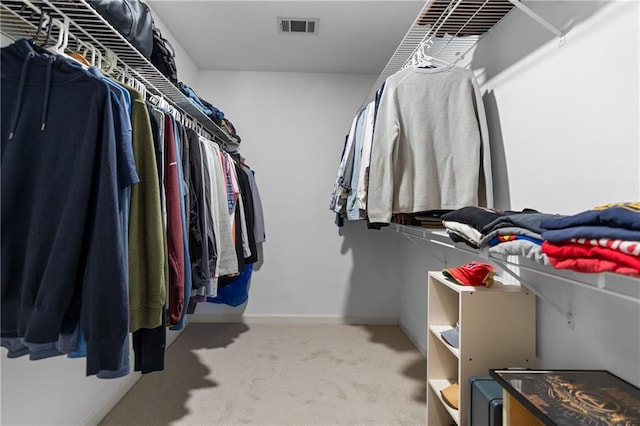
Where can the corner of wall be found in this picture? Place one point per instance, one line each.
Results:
(187, 69)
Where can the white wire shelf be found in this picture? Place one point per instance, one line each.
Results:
(20, 18)
(616, 285)
(448, 30)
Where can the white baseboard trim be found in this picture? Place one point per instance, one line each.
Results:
(416, 342)
(292, 319)
(127, 382)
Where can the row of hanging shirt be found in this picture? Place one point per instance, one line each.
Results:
(113, 215)
(421, 146)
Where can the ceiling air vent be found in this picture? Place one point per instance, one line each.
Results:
(298, 25)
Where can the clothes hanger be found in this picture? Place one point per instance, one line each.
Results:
(134, 82)
(63, 36)
(59, 48)
(96, 57)
(426, 61)
(123, 77)
(89, 49)
(117, 73)
(128, 76)
(49, 25)
(154, 100)
(143, 90)
(178, 116)
(160, 102)
(46, 23)
(39, 28)
(433, 62)
(110, 61)
(77, 54)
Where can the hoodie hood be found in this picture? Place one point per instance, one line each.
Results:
(24, 65)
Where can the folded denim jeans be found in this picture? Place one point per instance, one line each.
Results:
(209, 110)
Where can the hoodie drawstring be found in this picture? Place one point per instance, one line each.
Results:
(47, 90)
(18, 103)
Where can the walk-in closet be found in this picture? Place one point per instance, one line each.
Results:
(328, 212)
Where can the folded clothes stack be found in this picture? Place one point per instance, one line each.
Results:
(209, 110)
(425, 219)
(602, 239)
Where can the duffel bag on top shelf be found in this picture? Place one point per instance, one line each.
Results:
(163, 56)
(132, 19)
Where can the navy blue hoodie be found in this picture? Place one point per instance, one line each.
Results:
(62, 248)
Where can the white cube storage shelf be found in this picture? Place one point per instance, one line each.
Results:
(497, 330)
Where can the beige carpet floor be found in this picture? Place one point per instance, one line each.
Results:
(268, 374)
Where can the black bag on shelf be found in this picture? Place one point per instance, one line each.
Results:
(163, 56)
(131, 18)
(230, 129)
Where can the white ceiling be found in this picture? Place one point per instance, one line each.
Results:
(352, 37)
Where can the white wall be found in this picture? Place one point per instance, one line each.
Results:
(565, 138)
(567, 117)
(292, 127)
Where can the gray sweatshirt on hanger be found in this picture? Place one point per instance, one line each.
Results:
(430, 146)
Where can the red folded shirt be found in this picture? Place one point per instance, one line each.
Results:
(592, 259)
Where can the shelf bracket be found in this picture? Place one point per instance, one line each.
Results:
(562, 38)
(502, 265)
(413, 238)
